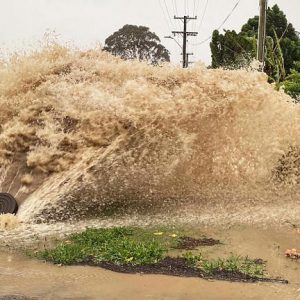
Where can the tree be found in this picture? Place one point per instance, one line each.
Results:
(292, 83)
(283, 45)
(279, 28)
(137, 42)
(276, 21)
(231, 50)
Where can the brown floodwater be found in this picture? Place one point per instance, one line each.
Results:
(23, 276)
(86, 135)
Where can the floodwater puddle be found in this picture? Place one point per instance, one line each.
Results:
(20, 275)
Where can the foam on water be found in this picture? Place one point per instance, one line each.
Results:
(8, 222)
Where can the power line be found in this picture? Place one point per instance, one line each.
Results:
(223, 23)
(198, 4)
(168, 12)
(166, 18)
(164, 13)
(229, 15)
(194, 9)
(175, 10)
(202, 19)
(175, 7)
(194, 13)
(203, 15)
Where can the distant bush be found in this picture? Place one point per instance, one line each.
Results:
(292, 85)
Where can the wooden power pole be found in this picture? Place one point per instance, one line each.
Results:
(262, 32)
(185, 35)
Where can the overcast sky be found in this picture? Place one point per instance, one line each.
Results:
(85, 23)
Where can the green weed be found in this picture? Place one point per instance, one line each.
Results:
(116, 245)
(233, 264)
(134, 246)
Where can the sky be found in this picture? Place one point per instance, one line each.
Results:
(86, 23)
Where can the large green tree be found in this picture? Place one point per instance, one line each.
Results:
(137, 42)
(276, 21)
(231, 50)
(283, 45)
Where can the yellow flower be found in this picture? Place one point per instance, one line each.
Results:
(129, 259)
(173, 235)
(158, 233)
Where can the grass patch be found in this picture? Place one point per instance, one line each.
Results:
(133, 250)
(234, 264)
(117, 245)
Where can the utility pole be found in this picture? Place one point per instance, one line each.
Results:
(185, 34)
(188, 62)
(262, 32)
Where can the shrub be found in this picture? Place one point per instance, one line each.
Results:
(292, 85)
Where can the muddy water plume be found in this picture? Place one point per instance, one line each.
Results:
(84, 134)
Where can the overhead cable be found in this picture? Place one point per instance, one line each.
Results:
(222, 24)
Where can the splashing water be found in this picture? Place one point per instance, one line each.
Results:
(84, 133)
(8, 222)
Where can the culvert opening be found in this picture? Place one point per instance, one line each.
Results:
(8, 204)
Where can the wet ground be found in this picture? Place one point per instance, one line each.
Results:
(22, 276)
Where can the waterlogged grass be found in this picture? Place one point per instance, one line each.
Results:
(117, 245)
(133, 247)
(233, 264)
